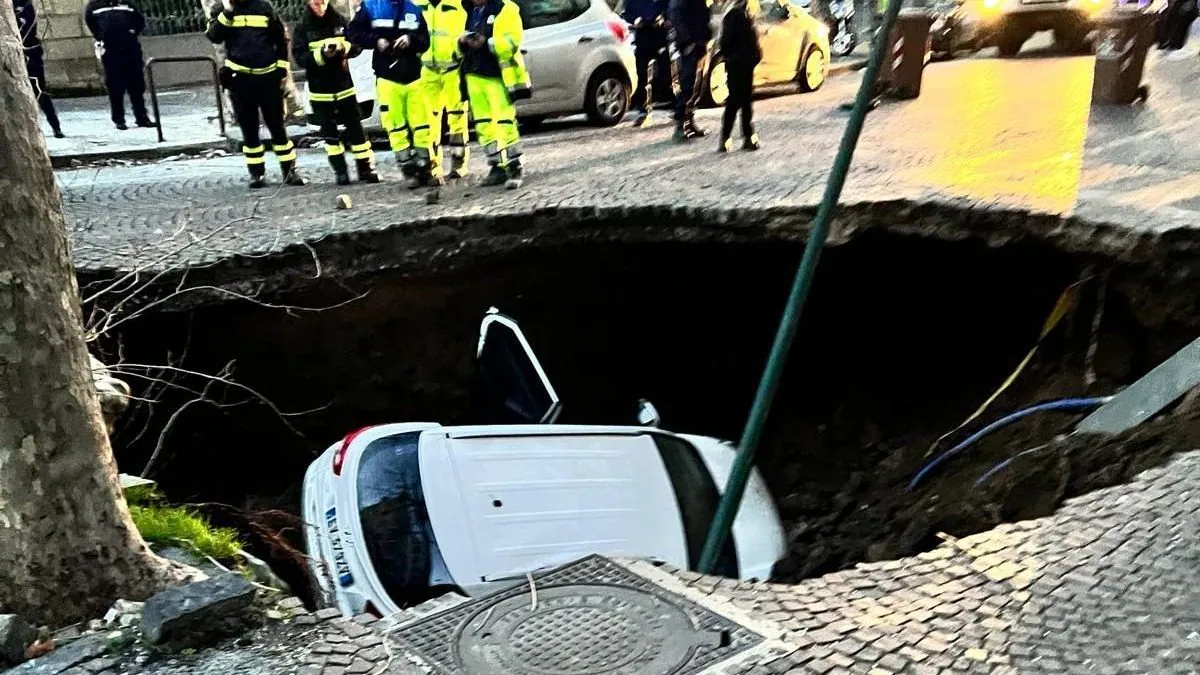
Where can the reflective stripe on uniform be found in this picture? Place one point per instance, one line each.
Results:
(330, 98)
(392, 23)
(115, 8)
(254, 155)
(244, 20)
(285, 152)
(239, 68)
(362, 150)
(334, 149)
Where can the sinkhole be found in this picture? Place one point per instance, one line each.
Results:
(902, 339)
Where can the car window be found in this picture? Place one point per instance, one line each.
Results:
(396, 529)
(697, 496)
(536, 13)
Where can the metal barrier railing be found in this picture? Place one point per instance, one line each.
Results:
(216, 78)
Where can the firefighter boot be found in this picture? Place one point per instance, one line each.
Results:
(258, 176)
(496, 176)
(340, 171)
(366, 171)
(458, 162)
(291, 175)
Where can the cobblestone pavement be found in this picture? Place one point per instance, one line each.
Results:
(984, 133)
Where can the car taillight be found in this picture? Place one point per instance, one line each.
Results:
(340, 457)
(619, 30)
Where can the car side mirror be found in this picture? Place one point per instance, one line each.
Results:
(647, 415)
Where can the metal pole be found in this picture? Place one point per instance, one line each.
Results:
(731, 499)
(217, 91)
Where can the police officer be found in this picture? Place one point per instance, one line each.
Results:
(691, 20)
(256, 64)
(396, 30)
(28, 28)
(495, 77)
(649, 21)
(116, 25)
(320, 45)
(440, 76)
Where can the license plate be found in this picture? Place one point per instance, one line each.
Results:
(341, 567)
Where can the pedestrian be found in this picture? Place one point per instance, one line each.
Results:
(495, 78)
(691, 20)
(396, 31)
(440, 76)
(321, 47)
(28, 28)
(649, 21)
(116, 25)
(256, 65)
(742, 53)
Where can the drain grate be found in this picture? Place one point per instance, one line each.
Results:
(592, 617)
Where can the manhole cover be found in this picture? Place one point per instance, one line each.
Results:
(591, 617)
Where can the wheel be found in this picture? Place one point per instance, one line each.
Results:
(606, 99)
(814, 67)
(716, 85)
(1010, 43)
(843, 43)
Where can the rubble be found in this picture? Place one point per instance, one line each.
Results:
(15, 636)
(64, 658)
(196, 609)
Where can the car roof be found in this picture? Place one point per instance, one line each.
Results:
(490, 430)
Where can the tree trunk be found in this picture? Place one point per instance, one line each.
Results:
(68, 548)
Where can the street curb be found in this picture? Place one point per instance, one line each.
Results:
(65, 161)
(847, 66)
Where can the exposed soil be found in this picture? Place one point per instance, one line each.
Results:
(903, 338)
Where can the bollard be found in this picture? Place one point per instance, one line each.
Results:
(1123, 36)
(908, 46)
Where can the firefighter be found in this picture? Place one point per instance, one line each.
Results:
(320, 45)
(447, 21)
(396, 30)
(116, 25)
(256, 65)
(495, 78)
(28, 28)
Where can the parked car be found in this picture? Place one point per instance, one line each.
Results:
(1008, 24)
(795, 49)
(954, 29)
(399, 513)
(580, 58)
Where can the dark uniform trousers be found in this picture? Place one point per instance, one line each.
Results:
(252, 95)
(37, 80)
(123, 75)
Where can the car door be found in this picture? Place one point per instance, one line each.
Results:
(555, 45)
(779, 37)
(510, 385)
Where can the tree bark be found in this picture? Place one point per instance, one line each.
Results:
(68, 548)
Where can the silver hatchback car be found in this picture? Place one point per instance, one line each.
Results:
(579, 54)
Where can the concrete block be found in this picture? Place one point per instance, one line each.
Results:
(70, 49)
(61, 26)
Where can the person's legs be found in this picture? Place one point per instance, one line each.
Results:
(348, 115)
(270, 101)
(135, 85)
(326, 112)
(687, 81)
(645, 54)
(431, 84)
(37, 79)
(245, 109)
(456, 125)
(693, 101)
(115, 84)
(507, 136)
(749, 135)
(390, 96)
(481, 107)
(416, 114)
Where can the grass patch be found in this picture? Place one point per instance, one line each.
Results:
(167, 525)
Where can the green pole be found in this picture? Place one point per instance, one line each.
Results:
(718, 532)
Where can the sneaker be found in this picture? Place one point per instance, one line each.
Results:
(257, 182)
(294, 178)
(751, 143)
(641, 120)
(516, 176)
(342, 178)
(497, 176)
(726, 145)
(693, 131)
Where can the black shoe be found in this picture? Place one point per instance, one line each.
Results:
(497, 176)
(293, 177)
(257, 182)
(342, 178)
(751, 143)
(146, 123)
(121, 126)
(368, 176)
(58, 133)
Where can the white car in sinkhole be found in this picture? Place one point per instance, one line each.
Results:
(399, 513)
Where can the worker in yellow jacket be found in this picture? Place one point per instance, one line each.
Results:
(442, 81)
(495, 78)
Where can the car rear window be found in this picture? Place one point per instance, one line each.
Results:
(537, 13)
(396, 530)
(697, 496)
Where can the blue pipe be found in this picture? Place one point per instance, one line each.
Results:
(1000, 467)
(1061, 404)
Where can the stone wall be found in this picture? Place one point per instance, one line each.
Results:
(71, 64)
